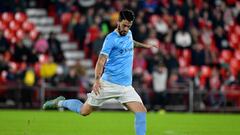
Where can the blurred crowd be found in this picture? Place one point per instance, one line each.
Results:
(198, 39)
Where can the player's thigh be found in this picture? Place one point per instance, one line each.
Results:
(136, 106)
(86, 109)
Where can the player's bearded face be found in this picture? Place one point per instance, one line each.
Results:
(123, 27)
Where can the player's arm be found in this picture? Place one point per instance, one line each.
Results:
(98, 72)
(141, 45)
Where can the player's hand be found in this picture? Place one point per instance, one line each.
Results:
(151, 46)
(96, 87)
(156, 46)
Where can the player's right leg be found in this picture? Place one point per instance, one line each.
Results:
(74, 105)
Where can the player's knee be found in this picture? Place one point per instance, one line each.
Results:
(144, 109)
(84, 113)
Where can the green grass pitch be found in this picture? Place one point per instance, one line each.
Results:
(18, 122)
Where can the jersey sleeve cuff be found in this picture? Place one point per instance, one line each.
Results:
(104, 53)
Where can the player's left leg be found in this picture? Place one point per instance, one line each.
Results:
(140, 116)
(132, 100)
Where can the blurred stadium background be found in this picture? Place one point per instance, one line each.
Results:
(50, 47)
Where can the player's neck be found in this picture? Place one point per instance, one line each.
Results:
(116, 30)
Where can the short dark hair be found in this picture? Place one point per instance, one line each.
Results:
(126, 15)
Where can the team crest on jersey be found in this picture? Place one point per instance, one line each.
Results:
(125, 50)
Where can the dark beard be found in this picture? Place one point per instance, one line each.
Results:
(121, 34)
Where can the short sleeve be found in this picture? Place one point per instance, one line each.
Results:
(107, 46)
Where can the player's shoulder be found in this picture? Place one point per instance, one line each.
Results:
(112, 34)
(111, 37)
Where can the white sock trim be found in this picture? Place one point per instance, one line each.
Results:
(60, 103)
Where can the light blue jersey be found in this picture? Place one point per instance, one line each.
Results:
(120, 51)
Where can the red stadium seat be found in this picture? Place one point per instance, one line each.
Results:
(7, 55)
(187, 53)
(33, 34)
(37, 69)
(22, 66)
(66, 18)
(27, 26)
(20, 34)
(20, 17)
(237, 30)
(14, 39)
(183, 62)
(235, 63)
(3, 25)
(235, 66)
(14, 26)
(43, 58)
(192, 71)
(154, 19)
(233, 40)
(13, 66)
(3, 78)
(206, 71)
(8, 34)
(226, 55)
(76, 16)
(237, 54)
(183, 71)
(180, 21)
(7, 17)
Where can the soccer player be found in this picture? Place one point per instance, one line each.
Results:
(113, 76)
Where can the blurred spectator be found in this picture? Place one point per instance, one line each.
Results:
(27, 41)
(72, 78)
(90, 16)
(221, 39)
(198, 55)
(28, 79)
(4, 45)
(183, 39)
(161, 27)
(93, 33)
(3, 64)
(210, 55)
(32, 57)
(48, 69)
(62, 6)
(171, 60)
(80, 69)
(80, 30)
(55, 48)
(153, 40)
(97, 46)
(41, 45)
(139, 63)
(142, 33)
(160, 76)
(141, 86)
(150, 5)
(20, 53)
(216, 96)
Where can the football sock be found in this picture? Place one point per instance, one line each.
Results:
(140, 123)
(71, 104)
